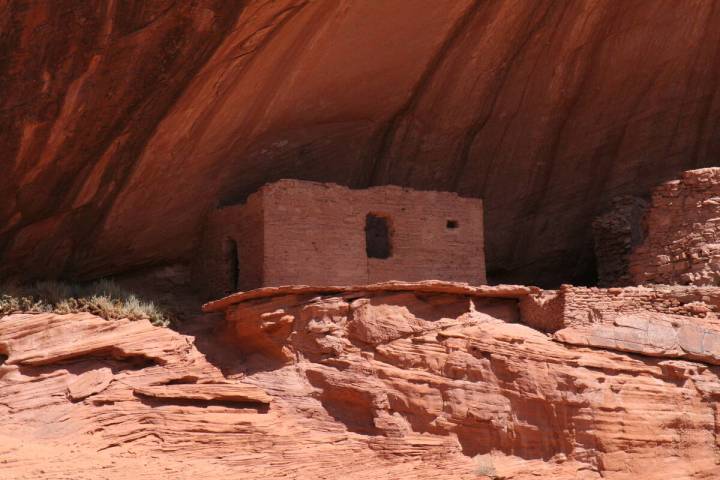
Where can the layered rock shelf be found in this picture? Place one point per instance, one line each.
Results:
(395, 380)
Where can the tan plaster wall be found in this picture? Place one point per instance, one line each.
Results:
(294, 232)
(315, 234)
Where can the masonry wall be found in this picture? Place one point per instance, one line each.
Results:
(230, 255)
(315, 234)
(682, 245)
(581, 306)
(615, 233)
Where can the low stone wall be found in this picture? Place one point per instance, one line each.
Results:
(659, 321)
(573, 306)
(585, 305)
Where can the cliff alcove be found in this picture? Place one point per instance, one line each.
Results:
(366, 191)
(123, 124)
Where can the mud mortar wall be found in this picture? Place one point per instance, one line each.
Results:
(572, 306)
(580, 302)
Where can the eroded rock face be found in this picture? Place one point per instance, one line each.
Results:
(397, 380)
(123, 124)
(462, 367)
(391, 380)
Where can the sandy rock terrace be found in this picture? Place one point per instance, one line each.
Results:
(425, 379)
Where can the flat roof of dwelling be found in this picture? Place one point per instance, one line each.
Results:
(427, 286)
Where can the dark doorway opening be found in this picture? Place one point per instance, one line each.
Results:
(377, 237)
(452, 224)
(232, 264)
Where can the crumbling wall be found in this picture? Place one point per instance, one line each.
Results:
(682, 245)
(543, 311)
(615, 233)
(231, 252)
(583, 305)
(677, 322)
(571, 306)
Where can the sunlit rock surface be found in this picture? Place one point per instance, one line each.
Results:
(396, 381)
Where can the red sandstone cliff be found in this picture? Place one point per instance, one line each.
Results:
(122, 123)
(390, 381)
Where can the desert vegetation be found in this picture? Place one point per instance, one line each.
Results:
(103, 298)
(485, 467)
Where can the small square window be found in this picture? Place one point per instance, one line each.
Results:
(451, 224)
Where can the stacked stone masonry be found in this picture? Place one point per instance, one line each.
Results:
(569, 306)
(663, 321)
(295, 232)
(218, 268)
(615, 234)
(682, 245)
(581, 303)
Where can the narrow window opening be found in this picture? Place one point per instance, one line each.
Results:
(377, 237)
(452, 224)
(232, 263)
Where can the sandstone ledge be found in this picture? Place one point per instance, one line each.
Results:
(230, 392)
(429, 286)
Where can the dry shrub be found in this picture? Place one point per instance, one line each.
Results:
(484, 466)
(103, 298)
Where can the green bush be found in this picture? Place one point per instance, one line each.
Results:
(103, 298)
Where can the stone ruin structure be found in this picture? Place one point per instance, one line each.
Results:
(615, 234)
(673, 240)
(682, 244)
(461, 380)
(296, 232)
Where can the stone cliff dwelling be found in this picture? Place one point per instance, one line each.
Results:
(616, 233)
(163, 315)
(673, 240)
(297, 232)
(682, 244)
